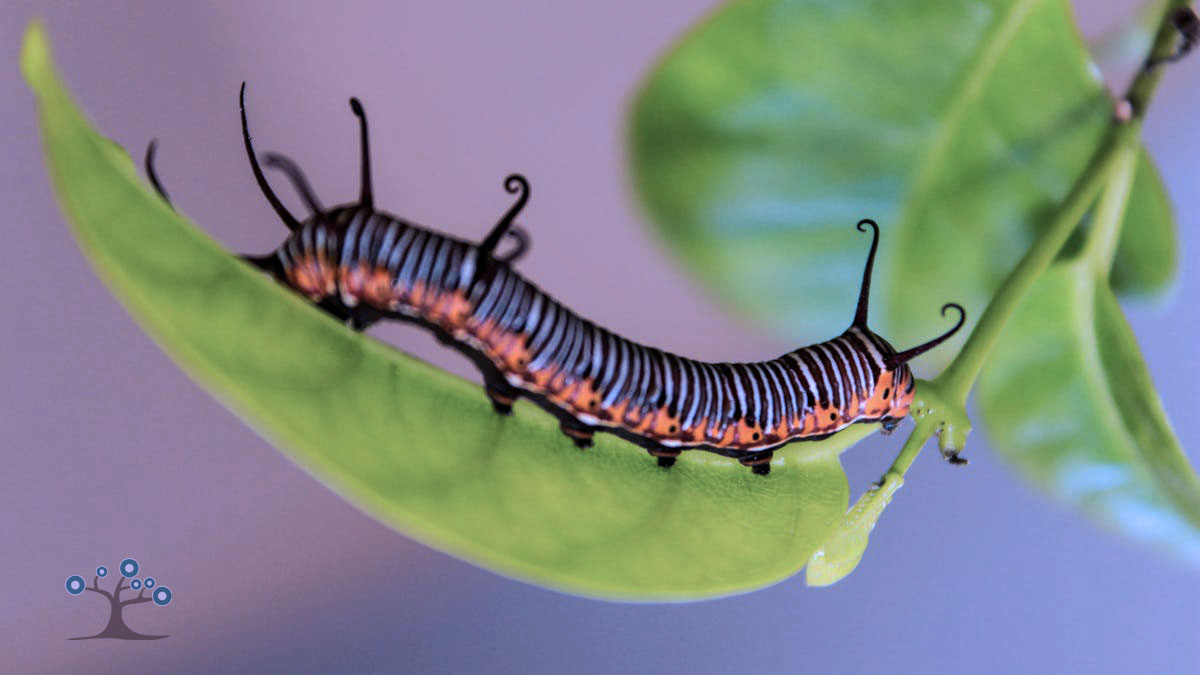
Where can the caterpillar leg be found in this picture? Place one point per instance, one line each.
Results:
(666, 458)
(578, 432)
(889, 425)
(362, 317)
(501, 395)
(760, 464)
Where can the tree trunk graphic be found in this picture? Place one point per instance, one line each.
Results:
(116, 627)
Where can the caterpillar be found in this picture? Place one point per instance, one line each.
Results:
(362, 265)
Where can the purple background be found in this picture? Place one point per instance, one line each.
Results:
(110, 451)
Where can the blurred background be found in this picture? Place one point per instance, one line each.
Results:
(110, 451)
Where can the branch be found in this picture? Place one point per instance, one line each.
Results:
(139, 599)
(95, 588)
(1177, 35)
(117, 591)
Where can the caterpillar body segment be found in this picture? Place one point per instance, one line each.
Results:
(363, 265)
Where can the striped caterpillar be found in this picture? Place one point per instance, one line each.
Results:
(362, 265)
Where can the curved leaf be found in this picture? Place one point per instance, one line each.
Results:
(1067, 397)
(413, 446)
(777, 124)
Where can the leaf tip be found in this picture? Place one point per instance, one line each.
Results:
(35, 52)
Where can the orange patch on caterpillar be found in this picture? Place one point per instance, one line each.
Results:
(747, 434)
(580, 398)
(555, 388)
(377, 288)
(416, 295)
(434, 306)
(616, 412)
(810, 423)
(560, 381)
(855, 407)
(780, 430)
(440, 306)
(664, 426)
(457, 309)
(567, 391)
(352, 280)
(585, 398)
(510, 353)
(483, 331)
(307, 277)
(540, 378)
(826, 420)
(495, 343)
(716, 432)
(877, 405)
(634, 419)
(699, 433)
(723, 437)
(645, 424)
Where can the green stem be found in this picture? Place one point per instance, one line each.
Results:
(1101, 245)
(960, 375)
(926, 427)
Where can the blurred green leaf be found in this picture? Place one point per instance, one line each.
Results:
(417, 448)
(1067, 397)
(774, 126)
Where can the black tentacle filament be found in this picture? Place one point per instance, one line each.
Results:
(909, 354)
(288, 219)
(864, 292)
(514, 184)
(518, 234)
(366, 197)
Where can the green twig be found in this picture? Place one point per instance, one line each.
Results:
(1101, 244)
(926, 428)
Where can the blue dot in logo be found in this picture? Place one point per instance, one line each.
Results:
(75, 584)
(102, 571)
(149, 582)
(135, 584)
(162, 596)
(129, 568)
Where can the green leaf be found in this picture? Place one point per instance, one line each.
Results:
(1067, 397)
(417, 448)
(775, 125)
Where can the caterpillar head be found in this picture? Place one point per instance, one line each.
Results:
(307, 259)
(893, 392)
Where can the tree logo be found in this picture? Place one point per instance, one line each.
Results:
(116, 628)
